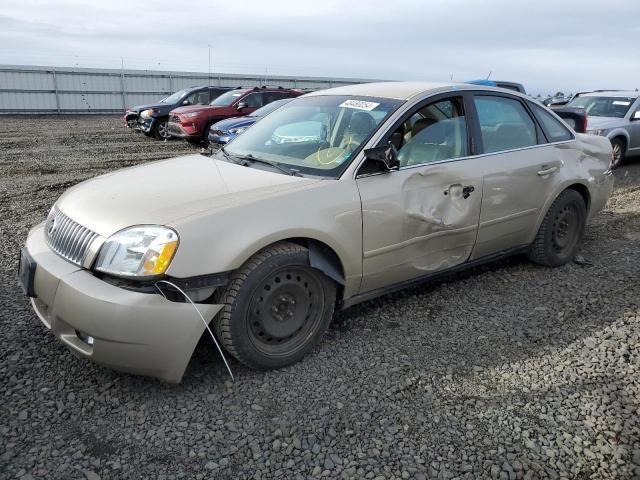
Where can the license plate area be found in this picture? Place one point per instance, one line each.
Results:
(26, 273)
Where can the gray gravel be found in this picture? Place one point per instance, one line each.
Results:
(508, 372)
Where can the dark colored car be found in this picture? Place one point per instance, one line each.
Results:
(517, 87)
(224, 131)
(151, 119)
(555, 101)
(193, 122)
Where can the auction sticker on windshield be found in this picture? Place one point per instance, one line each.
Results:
(621, 102)
(359, 105)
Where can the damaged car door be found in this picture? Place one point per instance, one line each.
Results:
(423, 217)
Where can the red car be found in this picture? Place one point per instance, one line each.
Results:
(193, 122)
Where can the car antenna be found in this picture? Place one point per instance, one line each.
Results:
(490, 72)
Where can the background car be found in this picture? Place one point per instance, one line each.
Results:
(151, 119)
(224, 131)
(193, 122)
(615, 115)
(516, 87)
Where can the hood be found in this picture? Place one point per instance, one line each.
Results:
(139, 108)
(237, 122)
(196, 108)
(594, 122)
(166, 191)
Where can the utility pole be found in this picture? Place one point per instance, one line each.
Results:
(209, 71)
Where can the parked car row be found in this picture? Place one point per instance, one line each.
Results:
(190, 113)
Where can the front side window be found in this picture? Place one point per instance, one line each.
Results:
(198, 98)
(603, 106)
(435, 132)
(554, 129)
(253, 100)
(504, 124)
(317, 135)
(227, 98)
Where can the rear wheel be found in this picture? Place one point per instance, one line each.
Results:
(161, 129)
(619, 146)
(557, 240)
(277, 307)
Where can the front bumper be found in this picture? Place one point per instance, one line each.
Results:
(182, 131)
(221, 139)
(140, 333)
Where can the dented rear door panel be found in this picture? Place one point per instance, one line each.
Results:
(418, 220)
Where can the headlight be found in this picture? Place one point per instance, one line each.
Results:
(238, 131)
(146, 113)
(600, 131)
(143, 251)
(191, 114)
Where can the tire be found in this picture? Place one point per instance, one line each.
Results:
(557, 239)
(276, 308)
(160, 129)
(619, 146)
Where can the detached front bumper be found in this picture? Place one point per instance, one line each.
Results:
(140, 333)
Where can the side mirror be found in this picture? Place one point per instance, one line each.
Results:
(636, 115)
(241, 105)
(186, 102)
(387, 155)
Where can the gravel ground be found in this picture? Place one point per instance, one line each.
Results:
(509, 372)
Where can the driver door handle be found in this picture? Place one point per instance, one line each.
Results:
(546, 170)
(466, 191)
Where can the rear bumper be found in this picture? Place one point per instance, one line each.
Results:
(603, 188)
(133, 332)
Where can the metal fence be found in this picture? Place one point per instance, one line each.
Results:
(60, 90)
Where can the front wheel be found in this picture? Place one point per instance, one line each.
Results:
(276, 308)
(161, 129)
(557, 240)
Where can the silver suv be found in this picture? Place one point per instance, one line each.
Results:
(335, 198)
(615, 115)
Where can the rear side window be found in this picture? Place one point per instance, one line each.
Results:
(553, 128)
(504, 124)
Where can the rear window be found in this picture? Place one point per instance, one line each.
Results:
(504, 124)
(616, 107)
(553, 128)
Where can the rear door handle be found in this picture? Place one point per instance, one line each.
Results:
(546, 170)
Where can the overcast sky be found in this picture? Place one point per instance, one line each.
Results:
(547, 45)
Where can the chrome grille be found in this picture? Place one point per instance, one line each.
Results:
(67, 238)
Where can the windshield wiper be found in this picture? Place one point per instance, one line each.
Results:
(249, 159)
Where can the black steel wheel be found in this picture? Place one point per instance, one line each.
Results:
(277, 307)
(557, 239)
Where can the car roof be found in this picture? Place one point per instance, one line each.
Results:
(404, 90)
(612, 93)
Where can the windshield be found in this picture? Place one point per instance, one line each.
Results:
(227, 98)
(267, 109)
(316, 135)
(174, 97)
(603, 106)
